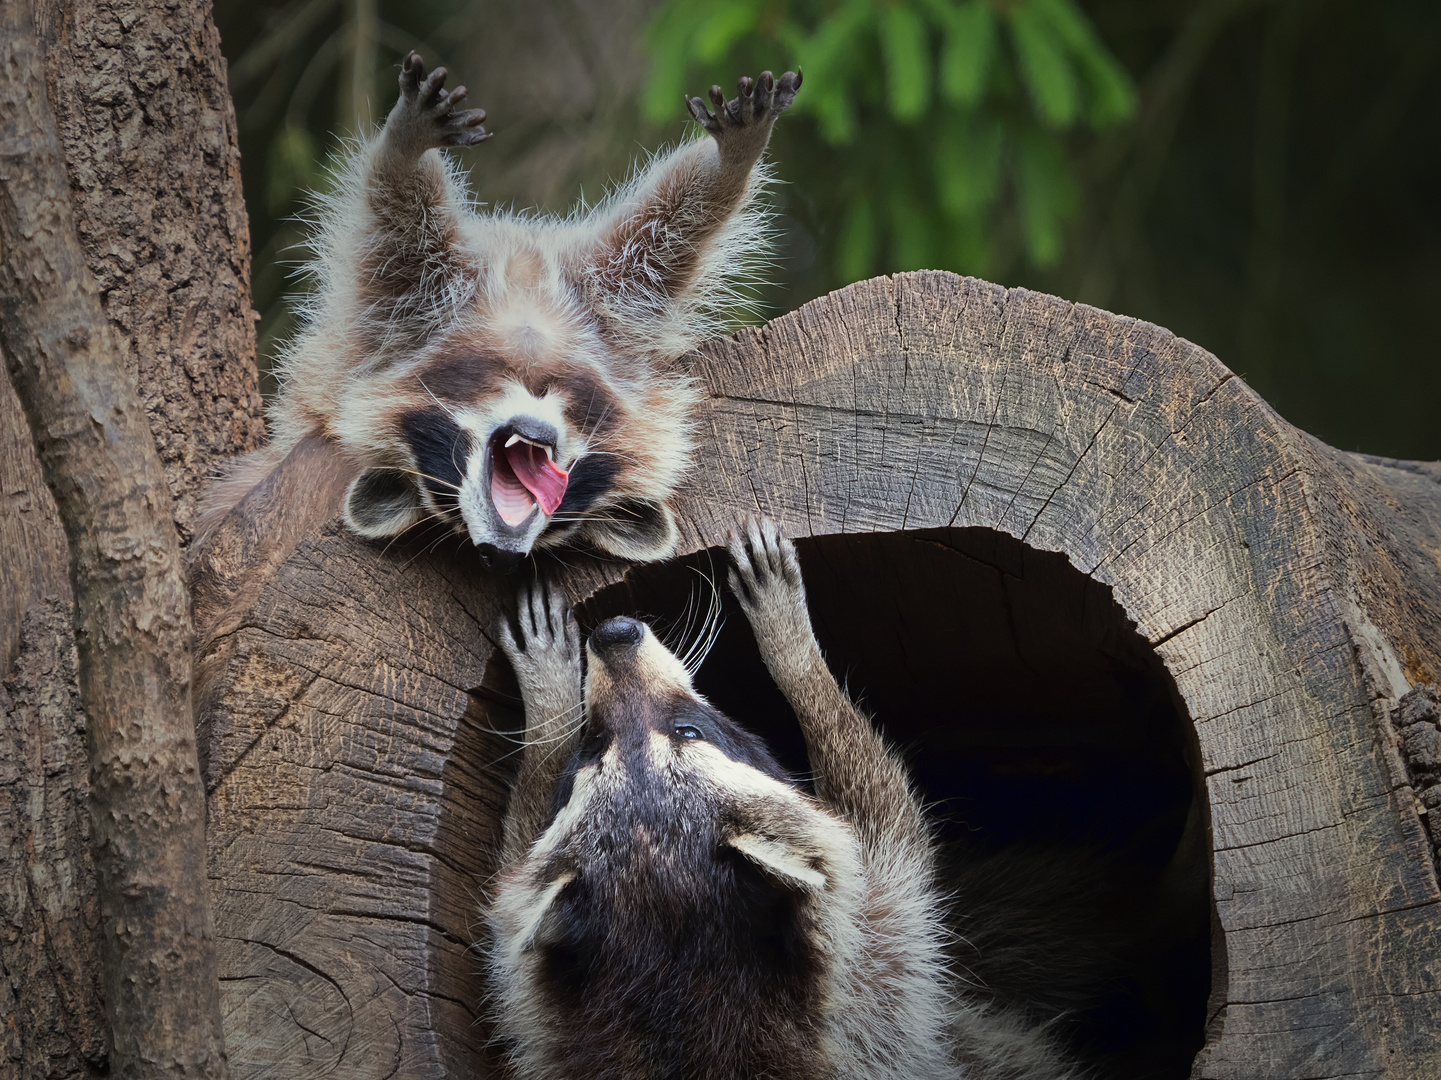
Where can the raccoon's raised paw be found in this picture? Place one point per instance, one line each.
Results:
(756, 105)
(546, 654)
(766, 579)
(426, 114)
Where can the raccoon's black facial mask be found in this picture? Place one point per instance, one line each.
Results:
(638, 691)
(510, 490)
(689, 721)
(695, 721)
(441, 448)
(591, 479)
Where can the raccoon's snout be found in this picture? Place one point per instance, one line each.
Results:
(616, 635)
(498, 559)
(631, 677)
(531, 429)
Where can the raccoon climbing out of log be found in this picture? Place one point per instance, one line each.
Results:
(673, 905)
(521, 378)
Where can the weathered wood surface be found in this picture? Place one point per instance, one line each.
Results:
(356, 780)
(356, 728)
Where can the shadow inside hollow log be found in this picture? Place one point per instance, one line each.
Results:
(1047, 737)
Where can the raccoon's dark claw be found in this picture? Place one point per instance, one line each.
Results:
(545, 655)
(766, 579)
(786, 88)
(429, 112)
(754, 97)
(702, 115)
(412, 70)
(544, 619)
(431, 89)
(757, 101)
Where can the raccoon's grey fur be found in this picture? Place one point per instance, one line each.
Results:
(672, 905)
(519, 377)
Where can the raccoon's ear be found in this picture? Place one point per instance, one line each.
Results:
(381, 503)
(783, 864)
(540, 927)
(636, 529)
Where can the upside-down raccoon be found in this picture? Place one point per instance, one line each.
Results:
(519, 377)
(673, 905)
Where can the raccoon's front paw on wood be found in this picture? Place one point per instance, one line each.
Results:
(546, 654)
(426, 115)
(751, 112)
(766, 579)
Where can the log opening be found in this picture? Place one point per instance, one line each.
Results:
(1049, 739)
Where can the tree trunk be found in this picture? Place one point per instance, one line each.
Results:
(132, 608)
(142, 112)
(1041, 537)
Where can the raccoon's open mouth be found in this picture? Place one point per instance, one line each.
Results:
(524, 475)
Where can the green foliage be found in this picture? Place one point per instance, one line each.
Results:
(294, 166)
(929, 133)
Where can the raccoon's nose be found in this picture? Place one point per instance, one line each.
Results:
(615, 635)
(502, 562)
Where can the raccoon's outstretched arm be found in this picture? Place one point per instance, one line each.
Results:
(546, 658)
(414, 208)
(855, 773)
(655, 236)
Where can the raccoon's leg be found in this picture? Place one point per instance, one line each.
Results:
(411, 255)
(655, 236)
(855, 773)
(546, 658)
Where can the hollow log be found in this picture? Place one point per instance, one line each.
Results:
(1091, 582)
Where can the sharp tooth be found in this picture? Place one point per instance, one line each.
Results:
(519, 438)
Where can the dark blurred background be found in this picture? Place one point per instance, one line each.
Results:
(1259, 176)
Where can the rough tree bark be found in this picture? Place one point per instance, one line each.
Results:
(132, 617)
(49, 958)
(353, 723)
(150, 148)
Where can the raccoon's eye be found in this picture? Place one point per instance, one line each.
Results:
(686, 731)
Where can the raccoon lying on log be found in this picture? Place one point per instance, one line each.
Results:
(519, 378)
(673, 905)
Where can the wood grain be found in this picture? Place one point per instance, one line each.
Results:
(1291, 591)
(50, 986)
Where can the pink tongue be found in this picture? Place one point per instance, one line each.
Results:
(542, 477)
